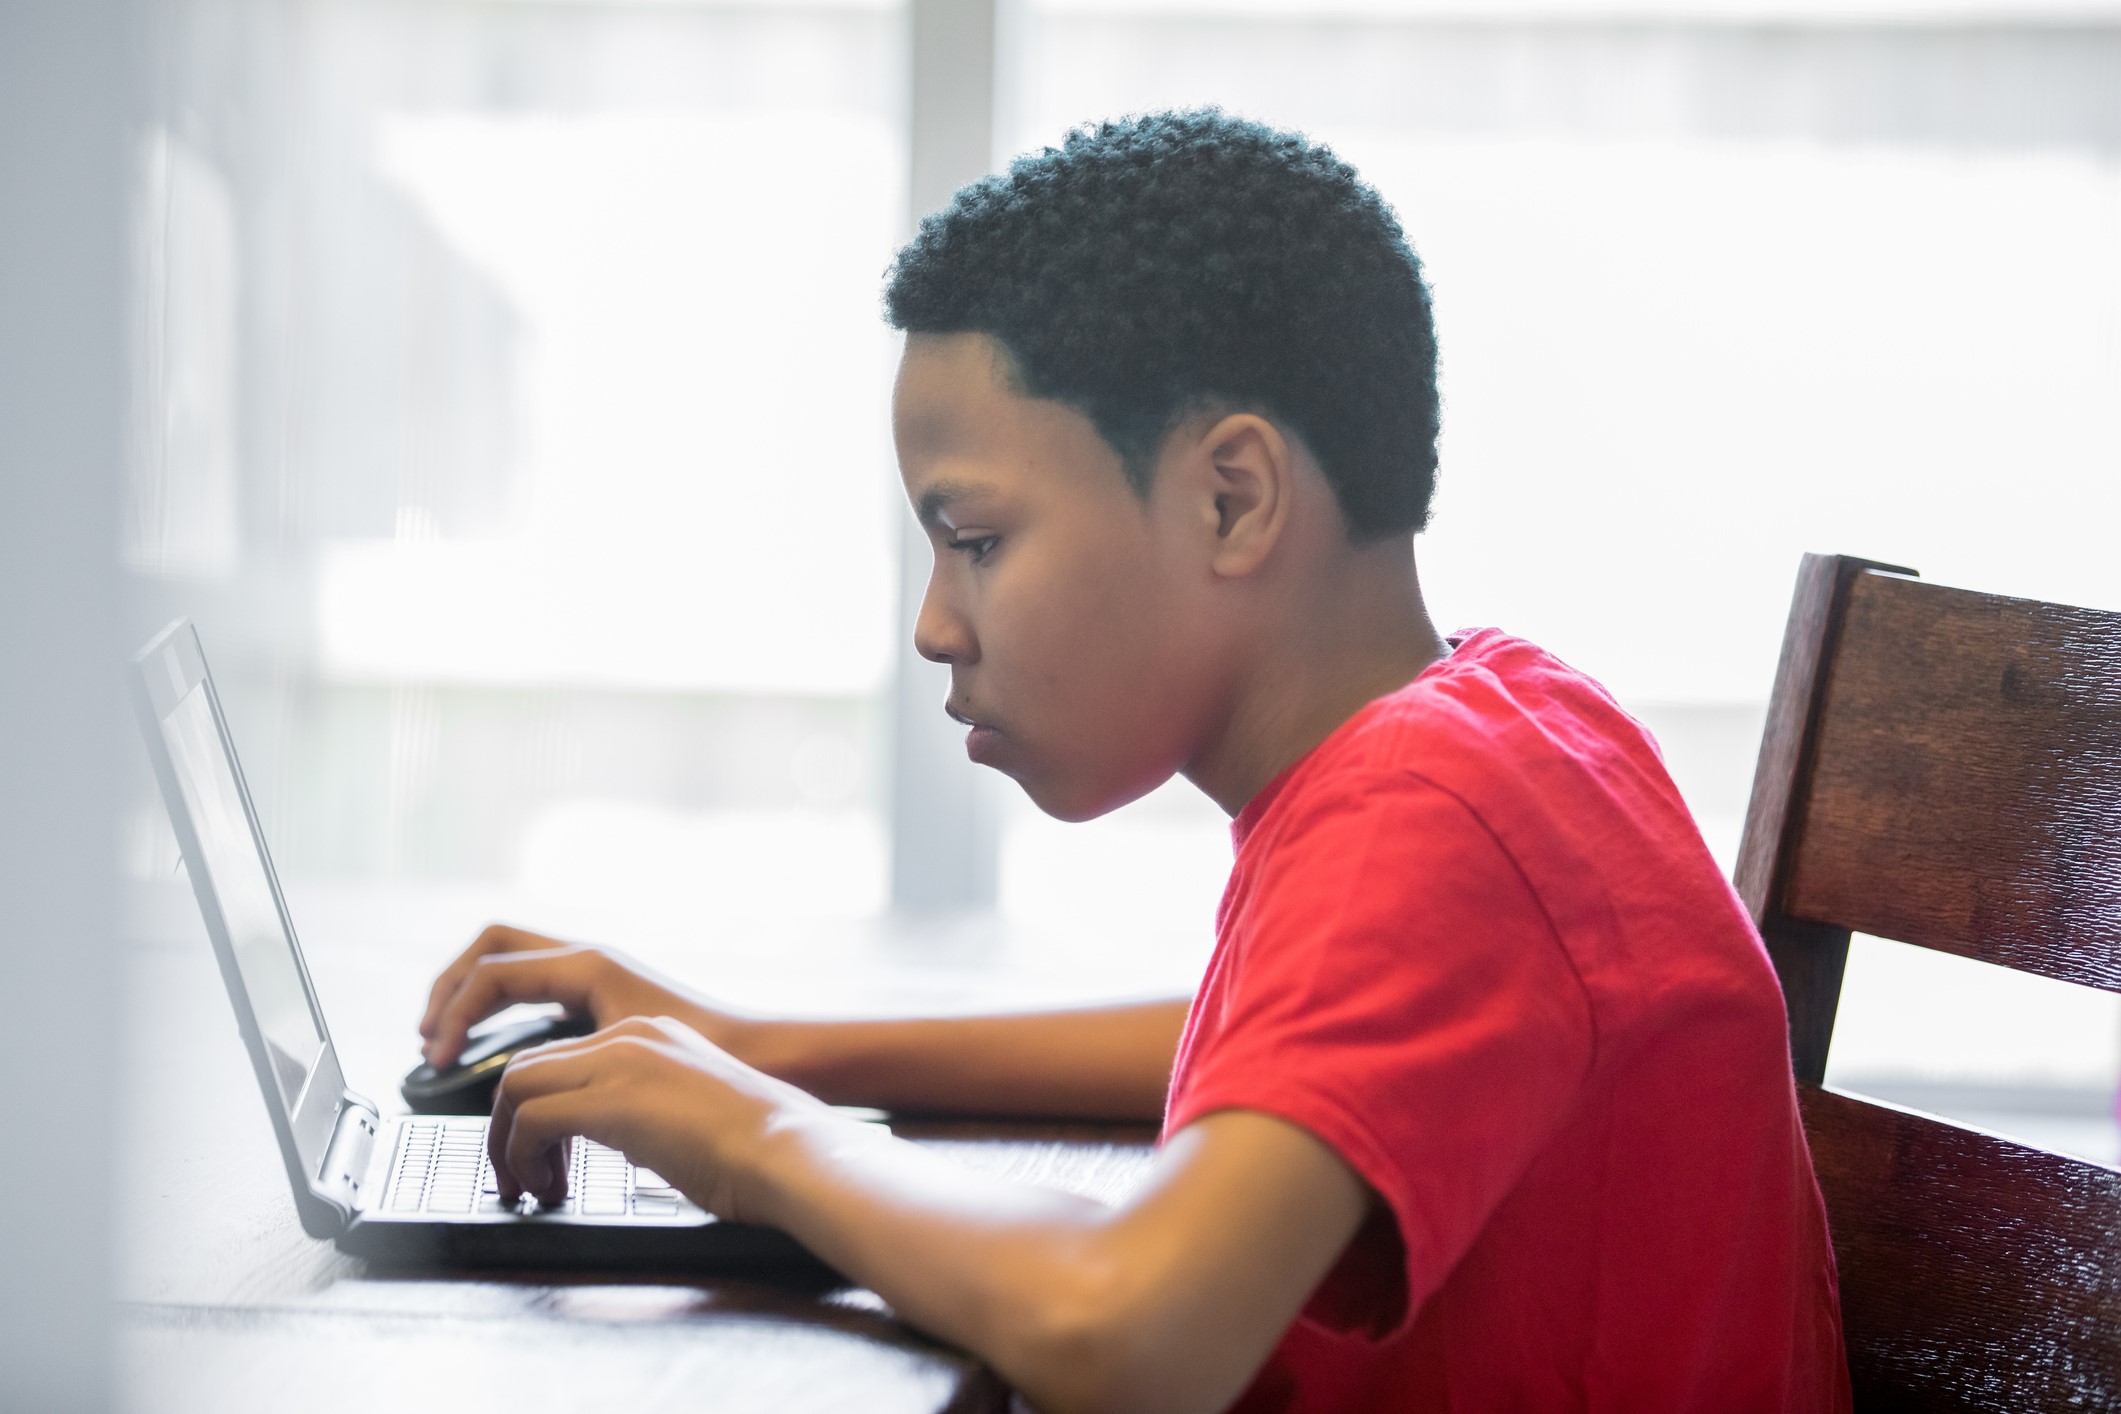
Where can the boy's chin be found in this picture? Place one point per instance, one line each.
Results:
(1075, 801)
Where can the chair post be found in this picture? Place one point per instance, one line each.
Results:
(1809, 957)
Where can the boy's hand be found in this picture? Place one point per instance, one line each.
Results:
(508, 965)
(652, 1088)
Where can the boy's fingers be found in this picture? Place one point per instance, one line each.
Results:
(533, 1158)
(542, 1070)
(543, 1175)
(554, 1068)
(494, 938)
(497, 980)
(557, 1084)
(491, 939)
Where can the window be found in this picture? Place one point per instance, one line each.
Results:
(520, 436)
(522, 440)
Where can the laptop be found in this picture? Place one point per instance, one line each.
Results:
(412, 1189)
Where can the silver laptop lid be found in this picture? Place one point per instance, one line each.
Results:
(239, 896)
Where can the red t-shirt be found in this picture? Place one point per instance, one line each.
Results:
(1474, 943)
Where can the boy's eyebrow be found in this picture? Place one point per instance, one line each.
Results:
(940, 495)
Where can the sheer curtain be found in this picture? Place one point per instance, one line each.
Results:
(520, 440)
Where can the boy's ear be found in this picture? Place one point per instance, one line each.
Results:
(1249, 473)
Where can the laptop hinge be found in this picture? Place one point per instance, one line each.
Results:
(346, 1158)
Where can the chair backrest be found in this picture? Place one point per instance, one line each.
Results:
(1944, 768)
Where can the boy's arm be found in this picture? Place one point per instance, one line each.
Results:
(1170, 1302)
(1110, 1062)
(1101, 1062)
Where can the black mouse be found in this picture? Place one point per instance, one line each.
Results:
(467, 1087)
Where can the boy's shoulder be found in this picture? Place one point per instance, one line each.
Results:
(1526, 744)
(1518, 776)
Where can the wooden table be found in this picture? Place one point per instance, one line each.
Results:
(226, 1306)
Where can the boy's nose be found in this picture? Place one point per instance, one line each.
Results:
(940, 634)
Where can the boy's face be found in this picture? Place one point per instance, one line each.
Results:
(1073, 614)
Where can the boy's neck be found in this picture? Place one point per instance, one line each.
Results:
(1359, 634)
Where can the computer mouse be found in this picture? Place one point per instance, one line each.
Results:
(467, 1087)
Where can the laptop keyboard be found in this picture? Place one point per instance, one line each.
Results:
(442, 1168)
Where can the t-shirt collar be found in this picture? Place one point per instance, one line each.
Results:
(1246, 820)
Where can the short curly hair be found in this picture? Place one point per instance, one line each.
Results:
(1158, 266)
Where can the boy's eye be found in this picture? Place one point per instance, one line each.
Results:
(978, 547)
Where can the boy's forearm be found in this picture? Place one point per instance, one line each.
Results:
(1094, 1062)
(1168, 1302)
(1030, 1278)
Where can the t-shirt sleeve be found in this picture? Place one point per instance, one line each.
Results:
(1392, 985)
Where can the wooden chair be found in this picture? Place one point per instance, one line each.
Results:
(1944, 768)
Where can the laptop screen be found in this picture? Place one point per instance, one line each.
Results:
(237, 873)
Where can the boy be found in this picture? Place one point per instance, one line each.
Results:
(1485, 1100)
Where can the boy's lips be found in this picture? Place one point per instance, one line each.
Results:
(980, 740)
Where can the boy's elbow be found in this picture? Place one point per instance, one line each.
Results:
(1079, 1349)
(1099, 1341)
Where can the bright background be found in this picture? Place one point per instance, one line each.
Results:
(520, 434)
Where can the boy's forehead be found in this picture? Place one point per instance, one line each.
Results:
(950, 379)
(965, 429)
(954, 431)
